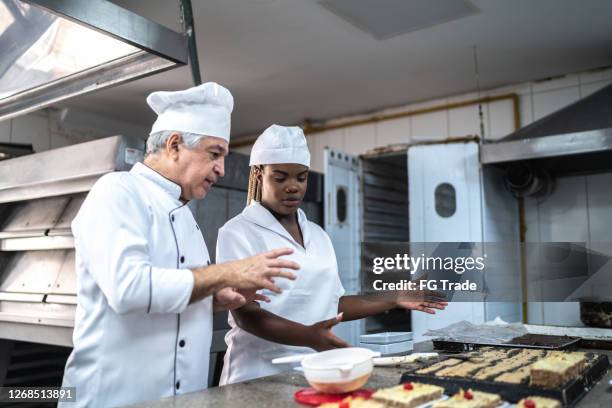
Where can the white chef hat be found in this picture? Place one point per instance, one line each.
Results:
(204, 110)
(280, 144)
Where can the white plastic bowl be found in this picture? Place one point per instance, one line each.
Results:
(339, 370)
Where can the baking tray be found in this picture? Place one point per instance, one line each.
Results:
(530, 340)
(385, 338)
(569, 394)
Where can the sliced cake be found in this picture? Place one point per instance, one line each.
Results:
(357, 402)
(439, 365)
(461, 370)
(517, 376)
(499, 368)
(557, 369)
(538, 402)
(470, 399)
(408, 395)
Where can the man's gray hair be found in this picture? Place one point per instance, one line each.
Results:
(158, 140)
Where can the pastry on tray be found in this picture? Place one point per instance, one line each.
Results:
(517, 376)
(408, 395)
(354, 402)
(557, 369)
(518, 360)
(499, 368)
(439, 365)
(470, 399)
(538, 402)
(461, 370)
(530, 354)
(495, 354)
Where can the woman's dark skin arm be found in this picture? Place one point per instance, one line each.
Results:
(357, 307)
(266, 325)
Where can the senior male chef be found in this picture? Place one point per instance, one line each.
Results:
(143, 324)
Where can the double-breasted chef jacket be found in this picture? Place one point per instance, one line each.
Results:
(136, 338)
(313, 296)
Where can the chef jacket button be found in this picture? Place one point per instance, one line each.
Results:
(178, 385)
(182, 259)
(182, 343)
(197, 227)
(172, 217)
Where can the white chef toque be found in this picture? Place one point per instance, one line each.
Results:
(204, 110)
(280, 145)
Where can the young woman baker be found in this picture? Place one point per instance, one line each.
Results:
(301, 317)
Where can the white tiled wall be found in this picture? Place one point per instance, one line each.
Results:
(577, 211)
(393, 131)
(429, 125)
(547, 102)
(537, 99)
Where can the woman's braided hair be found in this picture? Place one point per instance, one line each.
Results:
(254, 189)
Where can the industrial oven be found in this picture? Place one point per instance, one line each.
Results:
(403, 194)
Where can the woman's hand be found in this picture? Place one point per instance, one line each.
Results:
(423, 301)
(321, 338)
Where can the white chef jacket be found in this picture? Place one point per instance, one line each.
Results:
(312, 297)
(135, 336)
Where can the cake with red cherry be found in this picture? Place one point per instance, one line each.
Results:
(408, 395)
(470, 399)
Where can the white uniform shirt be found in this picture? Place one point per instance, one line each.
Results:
(312, 297)
(135, 336)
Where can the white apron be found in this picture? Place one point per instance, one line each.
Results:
(135, 336)
(312, 297)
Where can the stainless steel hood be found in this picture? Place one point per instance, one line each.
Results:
(575, 138)
(56, 49)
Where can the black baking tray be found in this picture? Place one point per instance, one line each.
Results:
(569, 394)
(535, 341)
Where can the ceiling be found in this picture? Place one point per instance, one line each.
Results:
(288, 60)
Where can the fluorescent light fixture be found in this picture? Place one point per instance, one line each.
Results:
(57, 49)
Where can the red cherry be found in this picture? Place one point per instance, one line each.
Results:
(408, 386)
(344, 404)
(468, 395)
(529, 404)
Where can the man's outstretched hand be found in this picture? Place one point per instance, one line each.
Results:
(231, 299)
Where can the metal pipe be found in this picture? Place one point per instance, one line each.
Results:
(189, 31)
(311, 129)
(523, 180)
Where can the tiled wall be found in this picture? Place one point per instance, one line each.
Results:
(47, 129)
(579, 211)
(537, 99)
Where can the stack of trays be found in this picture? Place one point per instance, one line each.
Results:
(388, 343)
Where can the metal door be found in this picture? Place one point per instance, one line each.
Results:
(343, 224)
(444, 206)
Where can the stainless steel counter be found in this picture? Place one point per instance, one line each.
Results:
(277, 391)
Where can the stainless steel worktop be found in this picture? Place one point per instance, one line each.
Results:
(277, 391)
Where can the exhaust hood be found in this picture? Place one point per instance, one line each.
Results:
(56, 49)
(577, 138)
